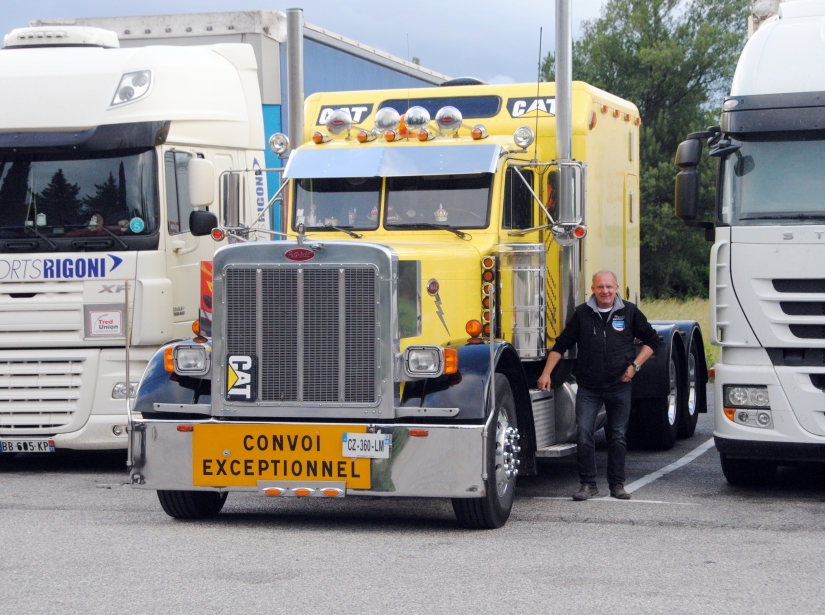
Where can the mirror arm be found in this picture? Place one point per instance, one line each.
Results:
(535, 196)
(524, 231)
(180, 251)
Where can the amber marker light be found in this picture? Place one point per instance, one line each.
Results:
(487, 262)
(217, 234)
(425, 135)
(712, 372)
(730, 412)
(593, 117)
(450, 360)
(362, 136)
(626, 117)
(186, 428)
(169, 360)
(487, 276)
(473, 328)
(603, 108)
(303, 492)
(419, 433)
(485, 303)
(638, 121)
(616, 113)
(478, 132)
(390, 136)
(196, 327)
(486, 329)
(332, 492)
(273, 491)
(319, 137)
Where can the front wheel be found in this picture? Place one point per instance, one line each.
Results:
(191, 504)
(748, 472)
(493, 510)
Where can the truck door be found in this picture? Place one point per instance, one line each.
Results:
(630, 271)
(185, 252)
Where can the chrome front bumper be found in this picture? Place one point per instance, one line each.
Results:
(447, 462)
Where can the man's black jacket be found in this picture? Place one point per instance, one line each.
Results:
(605, 350)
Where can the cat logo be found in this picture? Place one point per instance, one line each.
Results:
(523, 106)
(358, 112)
(241, 372)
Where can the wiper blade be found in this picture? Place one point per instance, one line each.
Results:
(443, 227)
(343, 229)
(51, 244)
(122, 244)
(786, 217)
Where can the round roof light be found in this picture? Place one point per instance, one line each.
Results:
(448, 119)
(339, 122)
(416, 118)
(432, 287)
(387, 119)
(524, 136)
(278, 143)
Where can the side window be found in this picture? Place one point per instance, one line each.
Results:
(178, 207)
(518, 201)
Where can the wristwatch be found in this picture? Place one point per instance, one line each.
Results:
(636, 367)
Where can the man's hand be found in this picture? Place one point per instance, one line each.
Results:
(544, 382)
(628, 374)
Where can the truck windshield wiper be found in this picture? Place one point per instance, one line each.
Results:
(122, 244)
(443, 227)
(344, 229)
(786, 217)
(51, 244)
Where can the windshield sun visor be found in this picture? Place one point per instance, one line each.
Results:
(393, 161)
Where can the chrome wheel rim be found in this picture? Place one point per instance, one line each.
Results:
(507, 450)
(673, 395)
(691, 384)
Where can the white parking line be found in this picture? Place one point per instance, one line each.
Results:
(610, 499)
(646, 480)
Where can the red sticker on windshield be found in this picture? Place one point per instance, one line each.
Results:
(299, 254)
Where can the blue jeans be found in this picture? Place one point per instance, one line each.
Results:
(616, 399)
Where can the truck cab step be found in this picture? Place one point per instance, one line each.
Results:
(557, 450)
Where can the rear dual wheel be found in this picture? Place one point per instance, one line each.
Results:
(654, 423)
(493, 510)
(696, 396)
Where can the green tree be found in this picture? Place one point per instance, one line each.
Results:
(675, 60)
(14, 193)
(104, 201)
(59, 201)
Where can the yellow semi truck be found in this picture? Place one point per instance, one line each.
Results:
(435, 243)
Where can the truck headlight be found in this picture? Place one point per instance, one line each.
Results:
(191, 360)
(424, 361)
(119, 390)
(747, 396)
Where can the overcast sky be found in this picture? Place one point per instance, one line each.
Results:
(493, 40)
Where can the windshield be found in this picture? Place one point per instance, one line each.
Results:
(92, 195)
(458, 201)
(775, 179)
(348, 202)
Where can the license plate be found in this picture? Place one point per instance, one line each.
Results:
(27, 446)
(243, 455)
(370, 445)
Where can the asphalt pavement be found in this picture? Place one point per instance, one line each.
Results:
(75, 539)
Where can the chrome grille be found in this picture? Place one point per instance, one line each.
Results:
(317, 327)
(38, 394)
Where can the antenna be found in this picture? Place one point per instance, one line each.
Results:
(538, 84)
(409, 78)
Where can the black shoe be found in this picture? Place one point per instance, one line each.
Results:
(585, 493)
(618, 492)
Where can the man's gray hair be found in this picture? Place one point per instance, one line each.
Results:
(598, 273)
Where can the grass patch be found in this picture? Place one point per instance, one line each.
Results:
(690, 309)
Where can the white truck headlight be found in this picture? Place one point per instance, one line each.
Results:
(119, 390)
(424, 361)
(191, 360)
(133, 86)
(746, 396)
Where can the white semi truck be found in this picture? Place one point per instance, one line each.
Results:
(95, 145)
(767, 267)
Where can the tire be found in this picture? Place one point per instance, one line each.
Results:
(655, 422)
(191, 504)
(689, 415)
(493, 510)
(748, 472)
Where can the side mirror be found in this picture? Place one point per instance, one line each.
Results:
(231, 199)
(689, 153)
(201, 175)
(201, 223)
(686, 200)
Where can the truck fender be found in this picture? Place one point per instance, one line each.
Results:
(468, 390)
(159, 386)
(654, 379)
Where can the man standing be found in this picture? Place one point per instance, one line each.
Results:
(604, 329)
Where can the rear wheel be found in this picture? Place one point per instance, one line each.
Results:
(191, 504)
(690, 410)
(748, 472)
(655, 420)
(493, 510)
